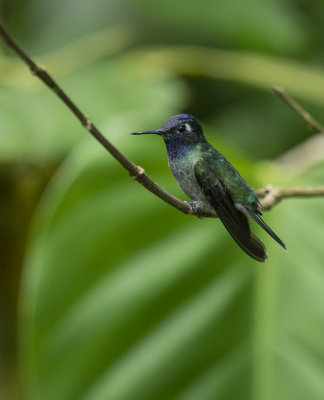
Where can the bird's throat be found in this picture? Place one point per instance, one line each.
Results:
(176, 147)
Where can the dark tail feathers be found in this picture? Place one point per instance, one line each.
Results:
(270, 232)
(239, 229)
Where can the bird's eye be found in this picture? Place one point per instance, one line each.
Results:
(182, 128)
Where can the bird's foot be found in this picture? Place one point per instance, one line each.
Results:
(200, 211)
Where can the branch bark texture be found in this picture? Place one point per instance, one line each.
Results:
(271, 195)
(312, 122)
(136, 172)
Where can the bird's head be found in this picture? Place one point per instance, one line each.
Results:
(183, 127)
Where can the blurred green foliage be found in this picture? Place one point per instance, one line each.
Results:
(121, 296)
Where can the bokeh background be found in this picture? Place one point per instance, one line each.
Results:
(107, 293)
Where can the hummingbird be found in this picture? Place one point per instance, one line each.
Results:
(211, 181)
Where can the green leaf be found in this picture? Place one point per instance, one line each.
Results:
(276, 26)
(126, 298)
(37, 126)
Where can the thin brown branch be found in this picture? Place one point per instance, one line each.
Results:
(270, 195)
(312, 122)
(135, 171)
(308, 153)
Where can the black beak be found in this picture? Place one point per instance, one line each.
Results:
(152, 132)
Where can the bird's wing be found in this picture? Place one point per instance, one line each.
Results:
(234, 220)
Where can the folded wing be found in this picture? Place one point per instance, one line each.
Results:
(234, 220)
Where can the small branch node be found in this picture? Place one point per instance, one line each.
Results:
(86, 122)
(191, 211)
(270, 196)
(37, 69)
(140, 171)
(265, 190)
